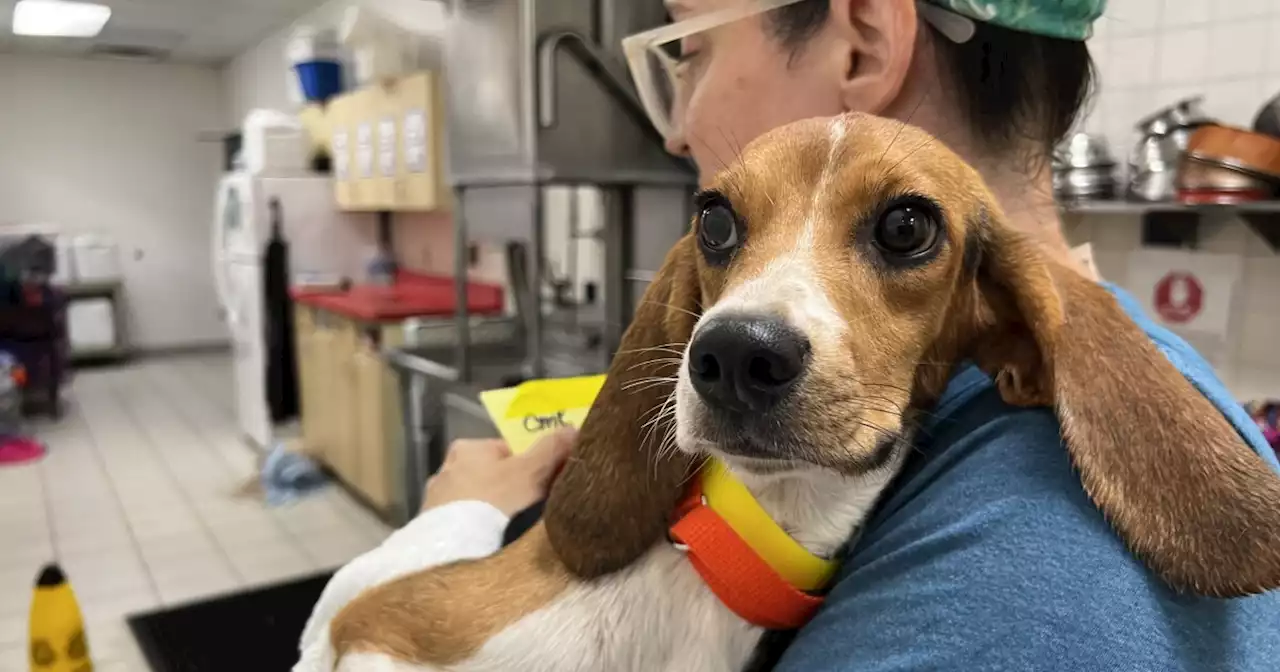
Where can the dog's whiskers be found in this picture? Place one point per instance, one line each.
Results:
(679, 309)
(693, 473)
(659, 413)
(673, 348)
(647, 385)
(648, 382)
(666, 415)
(657, 362)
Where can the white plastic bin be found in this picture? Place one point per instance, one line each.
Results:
(91, 325)
(95, 258)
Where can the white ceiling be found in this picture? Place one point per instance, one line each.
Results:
(190, 31)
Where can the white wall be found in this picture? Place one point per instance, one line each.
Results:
(1152, 53)
(113, 148)
(260, 78)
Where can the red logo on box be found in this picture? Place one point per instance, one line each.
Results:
(1179, 297)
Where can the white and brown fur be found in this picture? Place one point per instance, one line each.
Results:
(596, 586)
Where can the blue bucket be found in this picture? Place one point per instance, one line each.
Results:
(321, 80)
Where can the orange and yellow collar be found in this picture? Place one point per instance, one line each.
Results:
(752, 565)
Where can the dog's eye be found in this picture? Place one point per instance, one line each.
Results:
(718, 228)
(906, 230)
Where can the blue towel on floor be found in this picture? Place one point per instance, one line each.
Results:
(287, 476)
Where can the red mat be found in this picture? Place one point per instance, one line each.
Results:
(19, 450)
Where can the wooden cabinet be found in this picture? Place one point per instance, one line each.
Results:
(350, 406)
(421, 184)
(364, 122)
(381, 107)
(396, 146)
(311, 380)
(340, 117)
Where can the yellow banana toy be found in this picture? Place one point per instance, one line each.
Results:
(58, 642)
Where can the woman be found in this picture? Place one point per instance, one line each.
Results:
(986, 554)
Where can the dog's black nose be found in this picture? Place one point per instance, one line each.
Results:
(746, 363)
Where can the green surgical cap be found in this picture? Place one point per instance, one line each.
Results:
(1066, 19)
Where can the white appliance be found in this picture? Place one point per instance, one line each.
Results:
(321, 240)
(273, 143)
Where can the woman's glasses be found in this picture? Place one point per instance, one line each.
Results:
(664, 80)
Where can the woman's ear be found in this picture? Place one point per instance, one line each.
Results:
(880, 42)
(613, 499)
(1174, 478)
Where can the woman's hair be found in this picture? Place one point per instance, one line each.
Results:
(1011, 86)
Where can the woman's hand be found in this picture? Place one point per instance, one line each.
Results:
(485, 470)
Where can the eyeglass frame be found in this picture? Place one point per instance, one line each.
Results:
(635, 48)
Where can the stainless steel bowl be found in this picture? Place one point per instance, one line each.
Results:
(1083, 150)
(1088, 179)
(1092, 183)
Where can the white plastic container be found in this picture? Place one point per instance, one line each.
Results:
(274, 142)
(95, 259)
(313, 44)
(380, 49)
(91, 325)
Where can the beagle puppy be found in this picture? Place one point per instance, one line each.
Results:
(833, 278)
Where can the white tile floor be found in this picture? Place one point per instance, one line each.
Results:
(138, 499)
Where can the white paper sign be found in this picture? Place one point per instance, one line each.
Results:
(364, 149)
(387, 146)
(415, 141)
(341, 154)
(1188, 292)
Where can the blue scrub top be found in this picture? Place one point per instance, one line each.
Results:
(987, 555)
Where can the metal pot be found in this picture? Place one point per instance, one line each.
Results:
(1268, 119)
(1084, 151)
(1182, 114)
(1153, 164)
(1085, 183)
(1154, 184)
(1083, 169)
(1201, 174)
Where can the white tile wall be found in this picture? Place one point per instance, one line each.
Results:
(1152, 52)
(1155, 52)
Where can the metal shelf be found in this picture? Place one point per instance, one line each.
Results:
(1142, 208)
(80, 290)
(1177, 223)
(115, 352)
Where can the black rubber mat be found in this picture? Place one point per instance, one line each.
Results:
(253, 631)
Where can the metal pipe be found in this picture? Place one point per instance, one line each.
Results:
(599, 67)
(619, 211)
(462, 314)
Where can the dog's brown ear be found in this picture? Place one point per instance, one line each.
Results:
(1173, 477)
(613, 499)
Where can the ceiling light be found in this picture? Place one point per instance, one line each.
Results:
(59, 18)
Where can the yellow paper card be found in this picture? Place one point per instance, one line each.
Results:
(526, 412)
